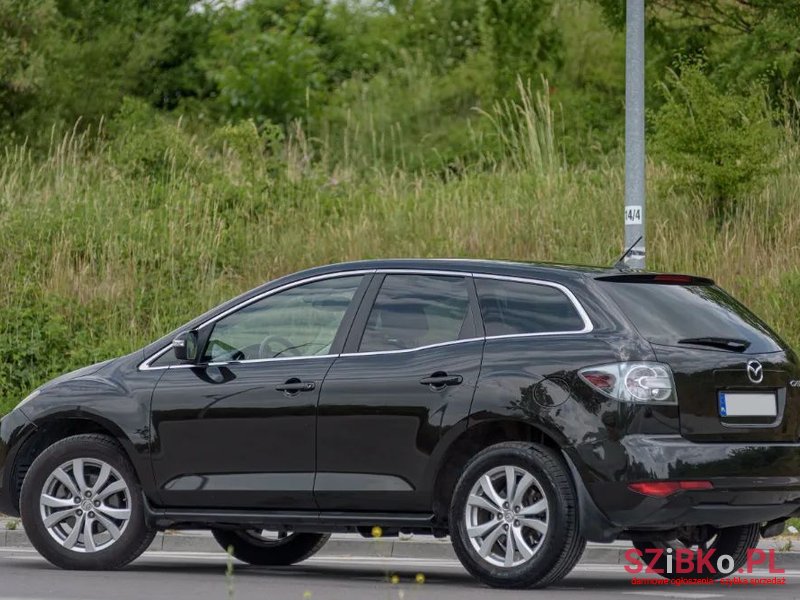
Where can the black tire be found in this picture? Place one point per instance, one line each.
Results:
(249, 548)
(135, 537)
(734, 541)
(557, 550)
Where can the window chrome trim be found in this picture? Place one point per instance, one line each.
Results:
(414, 349)
(587, 323)
(145, 364)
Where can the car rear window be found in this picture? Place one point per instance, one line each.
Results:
(666, 314)
(511, 307)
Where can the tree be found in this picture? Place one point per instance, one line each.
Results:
(26, 28)
(724, 142)
(522, 40)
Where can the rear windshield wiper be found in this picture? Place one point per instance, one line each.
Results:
(733, 344)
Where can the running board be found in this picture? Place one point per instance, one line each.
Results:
(187, 518)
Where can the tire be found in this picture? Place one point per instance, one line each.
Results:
(118, 532)
(735, 541)
(546, 539)
(251, 547)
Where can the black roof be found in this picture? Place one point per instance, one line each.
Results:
(468, 265)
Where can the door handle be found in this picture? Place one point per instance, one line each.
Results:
(294, 386)
(441, 380)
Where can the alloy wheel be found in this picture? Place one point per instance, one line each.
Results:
(506, 516)
(85, 505)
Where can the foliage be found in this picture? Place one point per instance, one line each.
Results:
(23, 28)
(742, 41)
(725, 142)
(264, 59)
(522, 40)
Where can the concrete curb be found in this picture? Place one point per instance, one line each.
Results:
(343, 546)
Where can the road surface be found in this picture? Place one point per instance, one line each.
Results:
(198, 576)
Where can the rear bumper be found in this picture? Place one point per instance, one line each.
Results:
(752, 483)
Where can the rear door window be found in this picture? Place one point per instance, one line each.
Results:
(673, 315)
(411, 311)
(512, 307)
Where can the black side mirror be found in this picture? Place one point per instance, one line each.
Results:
(185, 347)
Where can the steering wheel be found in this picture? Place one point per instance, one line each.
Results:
(265, 348)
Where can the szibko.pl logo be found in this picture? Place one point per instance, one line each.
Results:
(685, 561)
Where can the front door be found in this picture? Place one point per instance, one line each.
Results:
(239, 430)
(407, 375)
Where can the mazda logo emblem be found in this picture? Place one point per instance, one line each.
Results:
(755, 371)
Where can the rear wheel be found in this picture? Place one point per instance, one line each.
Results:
(82, 505)
(267, 548)
(513, 517)
(733, 541)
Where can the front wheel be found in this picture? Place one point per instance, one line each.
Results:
(82, 505)
(513, 517)
(267, 549)
(733, 541)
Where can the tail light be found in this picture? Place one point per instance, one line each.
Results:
(638, 382)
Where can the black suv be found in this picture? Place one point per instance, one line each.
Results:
(521, 409)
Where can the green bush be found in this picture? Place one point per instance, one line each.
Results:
(725, 143)
(522, 39)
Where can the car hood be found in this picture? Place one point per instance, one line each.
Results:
(82, 372)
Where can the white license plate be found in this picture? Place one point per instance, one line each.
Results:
(747, 404)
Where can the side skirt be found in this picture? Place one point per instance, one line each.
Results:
(321, 522)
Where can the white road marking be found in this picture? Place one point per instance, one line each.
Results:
(686, 595)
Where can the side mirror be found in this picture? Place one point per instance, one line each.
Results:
(185, 346)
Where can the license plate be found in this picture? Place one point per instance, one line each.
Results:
(747, 404)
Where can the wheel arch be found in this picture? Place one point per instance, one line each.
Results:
(58, 427)
(475, 437)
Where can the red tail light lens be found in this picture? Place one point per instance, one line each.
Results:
(662, 489)
(602, 381)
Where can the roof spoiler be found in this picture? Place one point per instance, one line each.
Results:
(660, 278)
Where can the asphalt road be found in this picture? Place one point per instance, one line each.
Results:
(23, 574)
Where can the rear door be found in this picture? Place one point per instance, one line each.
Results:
(731, 371)
(406, 377)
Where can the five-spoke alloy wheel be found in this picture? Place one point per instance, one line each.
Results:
(506, 516)
(513, 517)
(85, 505)
(82, 506)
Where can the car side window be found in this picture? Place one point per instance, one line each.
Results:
(416, 310)
(511, 307)
(300, 321)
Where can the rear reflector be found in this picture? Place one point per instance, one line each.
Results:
(662, 489)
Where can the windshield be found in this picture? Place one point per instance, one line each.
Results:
(692, 316)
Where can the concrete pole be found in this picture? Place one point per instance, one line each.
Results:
(634, 135)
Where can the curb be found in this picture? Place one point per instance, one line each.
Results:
(602, 554)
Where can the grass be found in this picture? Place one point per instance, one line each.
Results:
(111, 241)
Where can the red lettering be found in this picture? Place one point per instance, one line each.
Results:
(772, 567)
(755, 557)
(704, 564)
(632, 555)
(684, 562)
(658, 553)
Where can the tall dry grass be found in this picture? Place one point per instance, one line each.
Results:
(108, 244)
